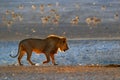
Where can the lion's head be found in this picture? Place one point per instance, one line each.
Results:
(63, 44)
(59, 42)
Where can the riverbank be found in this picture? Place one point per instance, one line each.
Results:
(59, 73)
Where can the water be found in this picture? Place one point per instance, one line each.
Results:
(66, 9)
(109, 26)
(81, 52)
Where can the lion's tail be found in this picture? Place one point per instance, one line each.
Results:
(13, 56)
(16, 54)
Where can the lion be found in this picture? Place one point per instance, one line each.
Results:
(48, 46)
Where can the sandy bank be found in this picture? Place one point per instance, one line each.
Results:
(59, 73)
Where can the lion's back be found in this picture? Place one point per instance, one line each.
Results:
(33, 42)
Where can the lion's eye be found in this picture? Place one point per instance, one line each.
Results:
(63, 41)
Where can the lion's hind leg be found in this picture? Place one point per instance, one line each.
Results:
(20, 56)
(29, 53)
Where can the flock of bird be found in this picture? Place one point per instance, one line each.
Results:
(11, 16)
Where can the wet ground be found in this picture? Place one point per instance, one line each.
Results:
(59, 73)
(81, 52)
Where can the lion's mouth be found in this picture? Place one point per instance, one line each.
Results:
(61, 50)
(65, 49)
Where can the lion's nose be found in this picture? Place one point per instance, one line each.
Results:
(67, 48)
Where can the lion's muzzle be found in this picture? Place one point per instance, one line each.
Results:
(66, 48)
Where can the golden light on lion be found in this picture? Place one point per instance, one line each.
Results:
(49, 46)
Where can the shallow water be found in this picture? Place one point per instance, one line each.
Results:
(31, 25)
(81, 52)
(66, 9)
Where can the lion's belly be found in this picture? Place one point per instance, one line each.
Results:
(37, 51)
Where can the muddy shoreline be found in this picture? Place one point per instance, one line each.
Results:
(59, 73)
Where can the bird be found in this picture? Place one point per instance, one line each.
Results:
(7, 12)
(20, 17)
(21, 6)
(49, 5)
(53, 11)
(75, 20)
(92, 20)
(42, 8)
(55, 21)
(14, 16)
(96, 21)
(9, 23)
(12, 12)
(33, 7)
(103, 8)
(45, 19)
(57, 16)
(116, 16)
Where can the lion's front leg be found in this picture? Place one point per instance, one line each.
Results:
(53, 59)
(47, 57)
